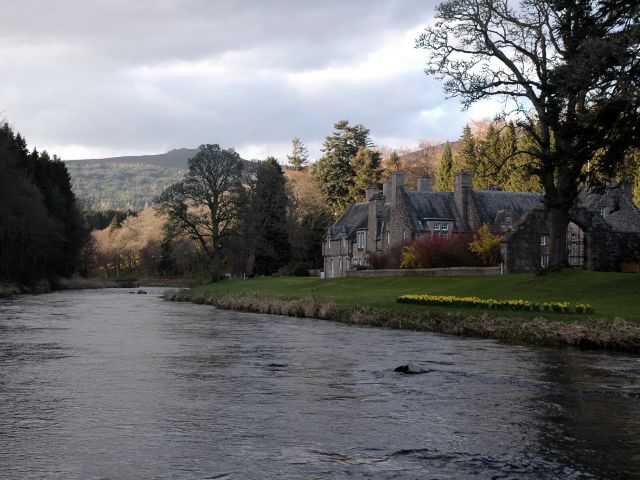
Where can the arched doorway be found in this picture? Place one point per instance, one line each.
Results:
(575, 245)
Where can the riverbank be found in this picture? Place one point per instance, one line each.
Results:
(615, 325)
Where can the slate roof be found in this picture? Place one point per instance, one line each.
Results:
(620, 212)
(354, 217)
(491, 203)
(432, 205)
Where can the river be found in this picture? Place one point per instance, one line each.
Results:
(103, 384)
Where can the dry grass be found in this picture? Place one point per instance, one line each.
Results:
(614, 335)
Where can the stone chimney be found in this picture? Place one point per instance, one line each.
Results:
(376, 210)
(386, 190)
(425, 183)
(462, 196)
(397, 182)
(372, 192)
(626, 188)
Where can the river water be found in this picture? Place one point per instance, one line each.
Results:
(108, 385)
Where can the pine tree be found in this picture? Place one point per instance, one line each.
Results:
(334, 171)
(444, 178)
(365, 166)
(269, 206)
(391, 165)
(466, 155)
(299, 154)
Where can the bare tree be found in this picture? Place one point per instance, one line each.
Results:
(568, 72)
(204, 205)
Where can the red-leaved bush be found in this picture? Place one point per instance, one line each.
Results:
(440, 252)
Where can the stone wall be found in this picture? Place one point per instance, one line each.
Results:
(521, 249)
(426, 272)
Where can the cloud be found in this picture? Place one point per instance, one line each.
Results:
(89, 79)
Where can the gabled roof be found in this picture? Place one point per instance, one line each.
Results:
(432, 205)
(619, 211)
(354, 217)
(491, 203)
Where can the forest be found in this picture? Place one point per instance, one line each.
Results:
(42, 231)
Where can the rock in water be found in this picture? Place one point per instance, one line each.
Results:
(409, 370)
(141, 292)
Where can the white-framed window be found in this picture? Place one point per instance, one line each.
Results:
(445, 227)
(436, 226)
(362, 240)
(543, 240)
(544, 261)
(388, 238)
(603, 212)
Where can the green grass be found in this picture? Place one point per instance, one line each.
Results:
(610, 294)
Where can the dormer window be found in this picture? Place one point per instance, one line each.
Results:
(362, 240)
(436, 226)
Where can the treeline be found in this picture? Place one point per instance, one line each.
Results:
(41, 227)
(120, 186)
(266, 223)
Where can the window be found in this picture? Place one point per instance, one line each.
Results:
(388, 238)
(362, 240)
(544, 261)
(603, 212)
(348, 263)
(328, 243)
(404, 235)
(340, 263)
(344, 243)
(445, 227)
(436, 226)
(543, 240)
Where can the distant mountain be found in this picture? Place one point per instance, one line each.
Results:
(176, 158)
(129, 182)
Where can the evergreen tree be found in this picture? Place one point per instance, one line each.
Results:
(392, 163)
(299, 154)
(466, 155)
(41, 229)
(444, 178)
(269, 212)
(334, 170)
(366, 171)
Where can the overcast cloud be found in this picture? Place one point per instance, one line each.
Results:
(88, 79)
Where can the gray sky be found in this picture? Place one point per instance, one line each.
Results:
(88, 79)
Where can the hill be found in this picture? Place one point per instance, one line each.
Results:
(176, 158)
(127, 182)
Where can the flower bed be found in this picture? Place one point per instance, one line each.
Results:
(491, 304)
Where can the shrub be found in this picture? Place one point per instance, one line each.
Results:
(441, 252)
(409, 258)
(388, 259)
(486, 246)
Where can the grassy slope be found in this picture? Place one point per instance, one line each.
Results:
(611, 294)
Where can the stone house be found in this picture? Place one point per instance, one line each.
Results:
(605, 228)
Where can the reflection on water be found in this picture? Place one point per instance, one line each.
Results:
(104, 384)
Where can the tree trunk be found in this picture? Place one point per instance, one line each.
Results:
(215, 267)
(558, 223)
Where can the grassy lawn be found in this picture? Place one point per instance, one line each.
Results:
(611, 294)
